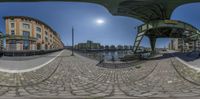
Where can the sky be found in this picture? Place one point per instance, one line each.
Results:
(111, 30)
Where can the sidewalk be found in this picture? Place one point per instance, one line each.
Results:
(21, 63)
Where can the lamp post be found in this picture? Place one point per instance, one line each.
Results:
(72, 41)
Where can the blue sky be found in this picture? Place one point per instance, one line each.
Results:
(61, 16)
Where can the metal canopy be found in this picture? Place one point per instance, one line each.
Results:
(144, 10)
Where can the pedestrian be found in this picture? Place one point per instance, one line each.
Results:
(199, 54)
(102, 59)
(113, 59)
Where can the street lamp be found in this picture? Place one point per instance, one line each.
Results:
(72, 41)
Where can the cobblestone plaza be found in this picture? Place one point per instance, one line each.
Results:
(78, 77)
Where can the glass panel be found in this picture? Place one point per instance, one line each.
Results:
(38, 29)
(26, 45)
(12, 45)
(26, 34)
(12, 25)
(12, 32)
(26, 26)
(38, 36)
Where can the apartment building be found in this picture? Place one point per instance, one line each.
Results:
(179, 45)
(26, 33)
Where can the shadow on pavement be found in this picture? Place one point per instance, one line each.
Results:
(186, 56)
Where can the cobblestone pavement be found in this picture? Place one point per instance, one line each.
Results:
(79, 77)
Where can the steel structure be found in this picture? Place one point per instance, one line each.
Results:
(166, 29)
(154, 13)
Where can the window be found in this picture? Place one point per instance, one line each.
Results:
(12, 32)
(26, 34)
(38, 29)
(26, 26)
(46, 33)
(12, 45)
(38, 36)
(26, 45)
(12, 25)
(46, 39)
(38, 46)
(26, 42)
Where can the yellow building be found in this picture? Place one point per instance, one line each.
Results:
(26, 33)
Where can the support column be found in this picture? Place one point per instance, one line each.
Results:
(194, 45)
(152, 43)
(183, 45)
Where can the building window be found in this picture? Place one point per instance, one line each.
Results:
(26, 42)
(26, 45)
(46, 46)
(38, 36)
(26, 34)
(12, 32)
(46, 39)
(12, 45)
(46, 32)
(26, 26)
(12, 25)
(38, 29)
(38, 46)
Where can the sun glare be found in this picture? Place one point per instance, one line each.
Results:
(100, 21)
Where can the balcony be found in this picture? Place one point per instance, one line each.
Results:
(19, 37)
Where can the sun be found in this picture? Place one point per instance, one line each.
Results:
(100, 21)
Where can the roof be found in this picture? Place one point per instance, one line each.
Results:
(144, 10)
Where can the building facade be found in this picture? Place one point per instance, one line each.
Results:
(89, 45)
(26, 33)
(1, 41)
(178, 44)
